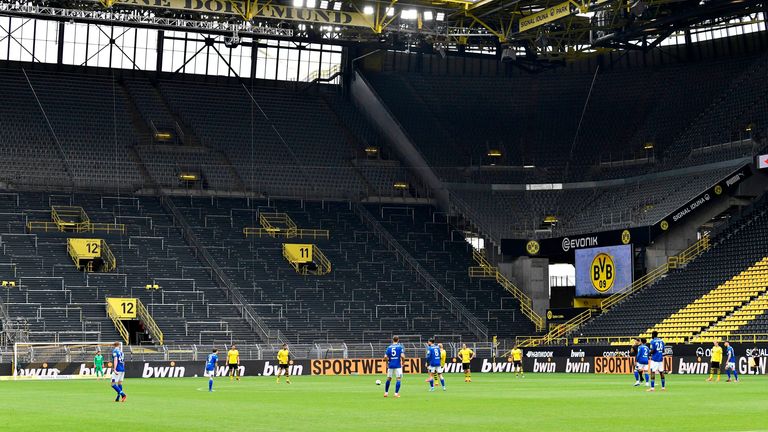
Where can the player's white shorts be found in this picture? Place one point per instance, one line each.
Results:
(394, 372)
(433, 369)
(117, 376)
(641, 367)
(209, 373)
(440, 369)
(730, 366)
(657, 366)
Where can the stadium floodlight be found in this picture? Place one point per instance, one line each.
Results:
(311, 4)
(428, 16)
(232, 41)
(637, 7)
(409, 14)
(440, 16)
(337, 6)
(508, 53)
(324, 4)
(298, 3)
(368, 10)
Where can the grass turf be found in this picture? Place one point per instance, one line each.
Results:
(498, 402)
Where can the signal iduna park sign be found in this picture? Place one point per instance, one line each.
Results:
(546, 16)
(564, 247)
(241, 7)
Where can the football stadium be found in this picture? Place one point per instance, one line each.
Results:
(370, 215)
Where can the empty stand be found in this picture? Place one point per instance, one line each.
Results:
(736, 252)
(640, 202)
(266, 136)
(59, 303)
(444, 252)
(532, 118)
(368, 295)
(707, 310)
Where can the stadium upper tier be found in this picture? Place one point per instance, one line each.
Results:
(685, 111)
(88, 129)
(642, 202)
(107, 132)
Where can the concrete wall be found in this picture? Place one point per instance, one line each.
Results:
(531, 275)
(680, 237)
(367, 101)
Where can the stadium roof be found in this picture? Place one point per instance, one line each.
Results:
(544, 29)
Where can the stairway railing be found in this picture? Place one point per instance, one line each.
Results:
(485, 269)
(323, 263)
(684, 257)
(459, 310)
(108, 257)
(149, 322)
(247, 312)
(118, 324)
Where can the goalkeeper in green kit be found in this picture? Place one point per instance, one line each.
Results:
(98, 365)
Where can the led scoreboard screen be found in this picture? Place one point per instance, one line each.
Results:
(603, 270)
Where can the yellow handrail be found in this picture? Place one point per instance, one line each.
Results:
(318, 258)
(323, 263)
(485, 269)
(525, 341)
(149, 322)
(682, 258)
(738, 338)
(269, 222)
(118, 325)
(47, 226)
(108, 257)
(275, 232)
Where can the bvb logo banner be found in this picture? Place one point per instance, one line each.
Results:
(664, 225)
(718, 190)
(532, 247)
(626, 237)
(603, 272)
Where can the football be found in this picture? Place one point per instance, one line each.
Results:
(378, 382)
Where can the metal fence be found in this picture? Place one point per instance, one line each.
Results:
(84, 352)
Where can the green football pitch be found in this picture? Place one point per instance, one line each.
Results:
(354, 403)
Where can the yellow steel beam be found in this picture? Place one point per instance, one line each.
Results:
(256, 9)
(481, 3)
(502, 36)
(242, 12)
(582, 7)
(381, 17)
(371, 24)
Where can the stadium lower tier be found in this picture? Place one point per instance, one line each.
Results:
(721, 294)
(363, 294)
